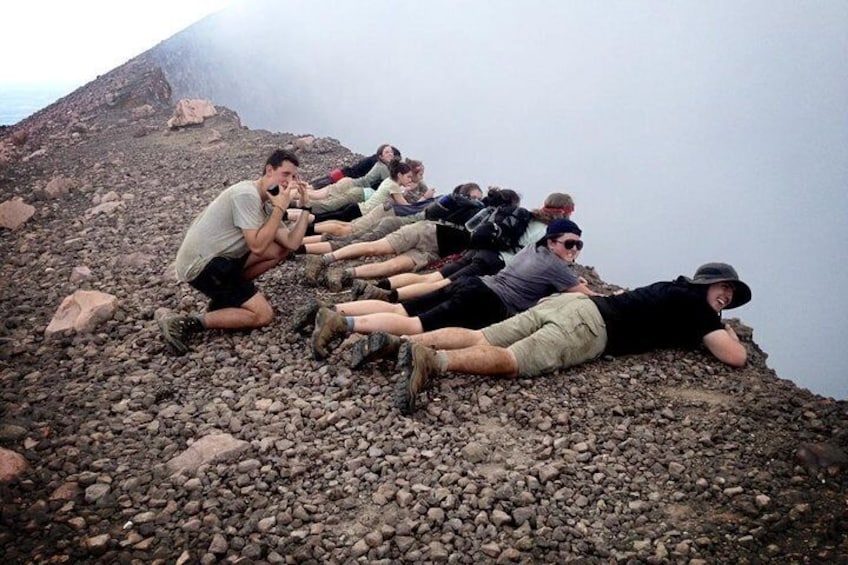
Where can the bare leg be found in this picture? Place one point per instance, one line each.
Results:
(406, 279)
(365, 248)
(318, 248)
(258, 264)
(254, 313)
(334, 227)
(451, 338)
(420, 289)
(385, 322)
(313, 239)
(483, 360)
(362, 307)
(397, 264)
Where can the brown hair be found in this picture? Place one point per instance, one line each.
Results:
(557, 205)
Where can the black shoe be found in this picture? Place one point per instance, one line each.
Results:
(375, 346)
(305, 315)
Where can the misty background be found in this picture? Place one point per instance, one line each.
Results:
(687, 132)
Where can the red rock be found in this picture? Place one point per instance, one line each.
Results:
(58, 186)
(191, 112)
(82, 312)
(12, 465)
(14, 213)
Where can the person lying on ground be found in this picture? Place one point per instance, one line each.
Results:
(570, 329)
(472, 302)
(415, 246)
(473, 262)
(356, 170)
(235, 239)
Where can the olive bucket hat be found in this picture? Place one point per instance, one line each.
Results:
(710, 273)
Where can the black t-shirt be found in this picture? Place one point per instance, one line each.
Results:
(661, 315)
(451, 239)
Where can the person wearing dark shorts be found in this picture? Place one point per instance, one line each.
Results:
(236, 238)
(471, 302)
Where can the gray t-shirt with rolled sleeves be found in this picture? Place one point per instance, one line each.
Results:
(217, 231)
(534, 273)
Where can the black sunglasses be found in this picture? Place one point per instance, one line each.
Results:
(570, 243)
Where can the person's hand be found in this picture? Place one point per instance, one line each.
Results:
(430, 193)
(731, 331)
(281, 199)
(582, 280)
(302, 192)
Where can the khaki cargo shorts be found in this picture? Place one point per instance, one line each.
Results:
(417, 242)
(559, 332)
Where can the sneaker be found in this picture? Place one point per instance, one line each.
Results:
(329, 324)
(305, 315)
(372, 292)
(175, 332)
(338, 280)
(313, 272)
(375, 346)
(357, 287)
(418, 366)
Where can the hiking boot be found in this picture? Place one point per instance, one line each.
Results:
(372, 292)
(418, 366)
(338, 280)
(313, 271)
(357, 287)
(176, 330)
(305, 315)
(375, 346)
(329, 324)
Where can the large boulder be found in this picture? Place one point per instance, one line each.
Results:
(208, 449)
(82, 312)
(14, 213)
(191, 112)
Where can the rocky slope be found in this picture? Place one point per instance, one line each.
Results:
(663, 458)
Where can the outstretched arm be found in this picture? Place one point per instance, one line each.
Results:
(726, 347)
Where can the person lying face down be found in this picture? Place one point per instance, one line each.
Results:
(471, 302)
(569, 329)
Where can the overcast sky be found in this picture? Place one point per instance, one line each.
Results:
(59, 41)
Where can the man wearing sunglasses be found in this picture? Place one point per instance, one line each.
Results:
(569, 329)
(470, 302)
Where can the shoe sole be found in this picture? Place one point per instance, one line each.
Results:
(319, 323)
(175, 345)
(404, 398)
(301, 319)
(368, 349)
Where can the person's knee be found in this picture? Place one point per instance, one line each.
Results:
(261, 309)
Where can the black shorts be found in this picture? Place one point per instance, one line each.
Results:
(473, 263)
(466, 303)
(223, 282)
(346, 213)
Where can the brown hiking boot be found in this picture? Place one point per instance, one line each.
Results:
(376, 346)
(329, 324)
(418, 366)
(176, 331)
(313, 271)
(372, 292)
(305, 315)
(338, 280)
(357, 287)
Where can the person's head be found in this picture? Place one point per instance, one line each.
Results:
(501, 197)
(557, 205)
(400, 172)
(417, 169)
(721, 284)
(562, 237)
(281, 167)
(469, 190)
(386, 153)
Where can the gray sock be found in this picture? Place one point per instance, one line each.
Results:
(442, 360)
(327, 258)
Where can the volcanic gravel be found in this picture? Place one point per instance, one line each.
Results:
(664, 458)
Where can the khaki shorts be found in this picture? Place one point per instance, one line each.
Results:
(370, 220)
(340, 199)
(559, 332)
(417, 242)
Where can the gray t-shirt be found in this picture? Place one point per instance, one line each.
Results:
(534, 273)
(217, 231)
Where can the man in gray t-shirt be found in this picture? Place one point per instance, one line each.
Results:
(233, 241)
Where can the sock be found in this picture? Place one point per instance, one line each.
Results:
(393, 296)
(384, 284)
(349, 321)
(442, 361)
(194, 324)
(300, 250)
(328, 259)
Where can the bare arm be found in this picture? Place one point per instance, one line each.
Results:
(259, 240)
(726, 347)
(583, 287)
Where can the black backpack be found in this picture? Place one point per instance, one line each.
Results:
(453, 208)
(502, 230)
